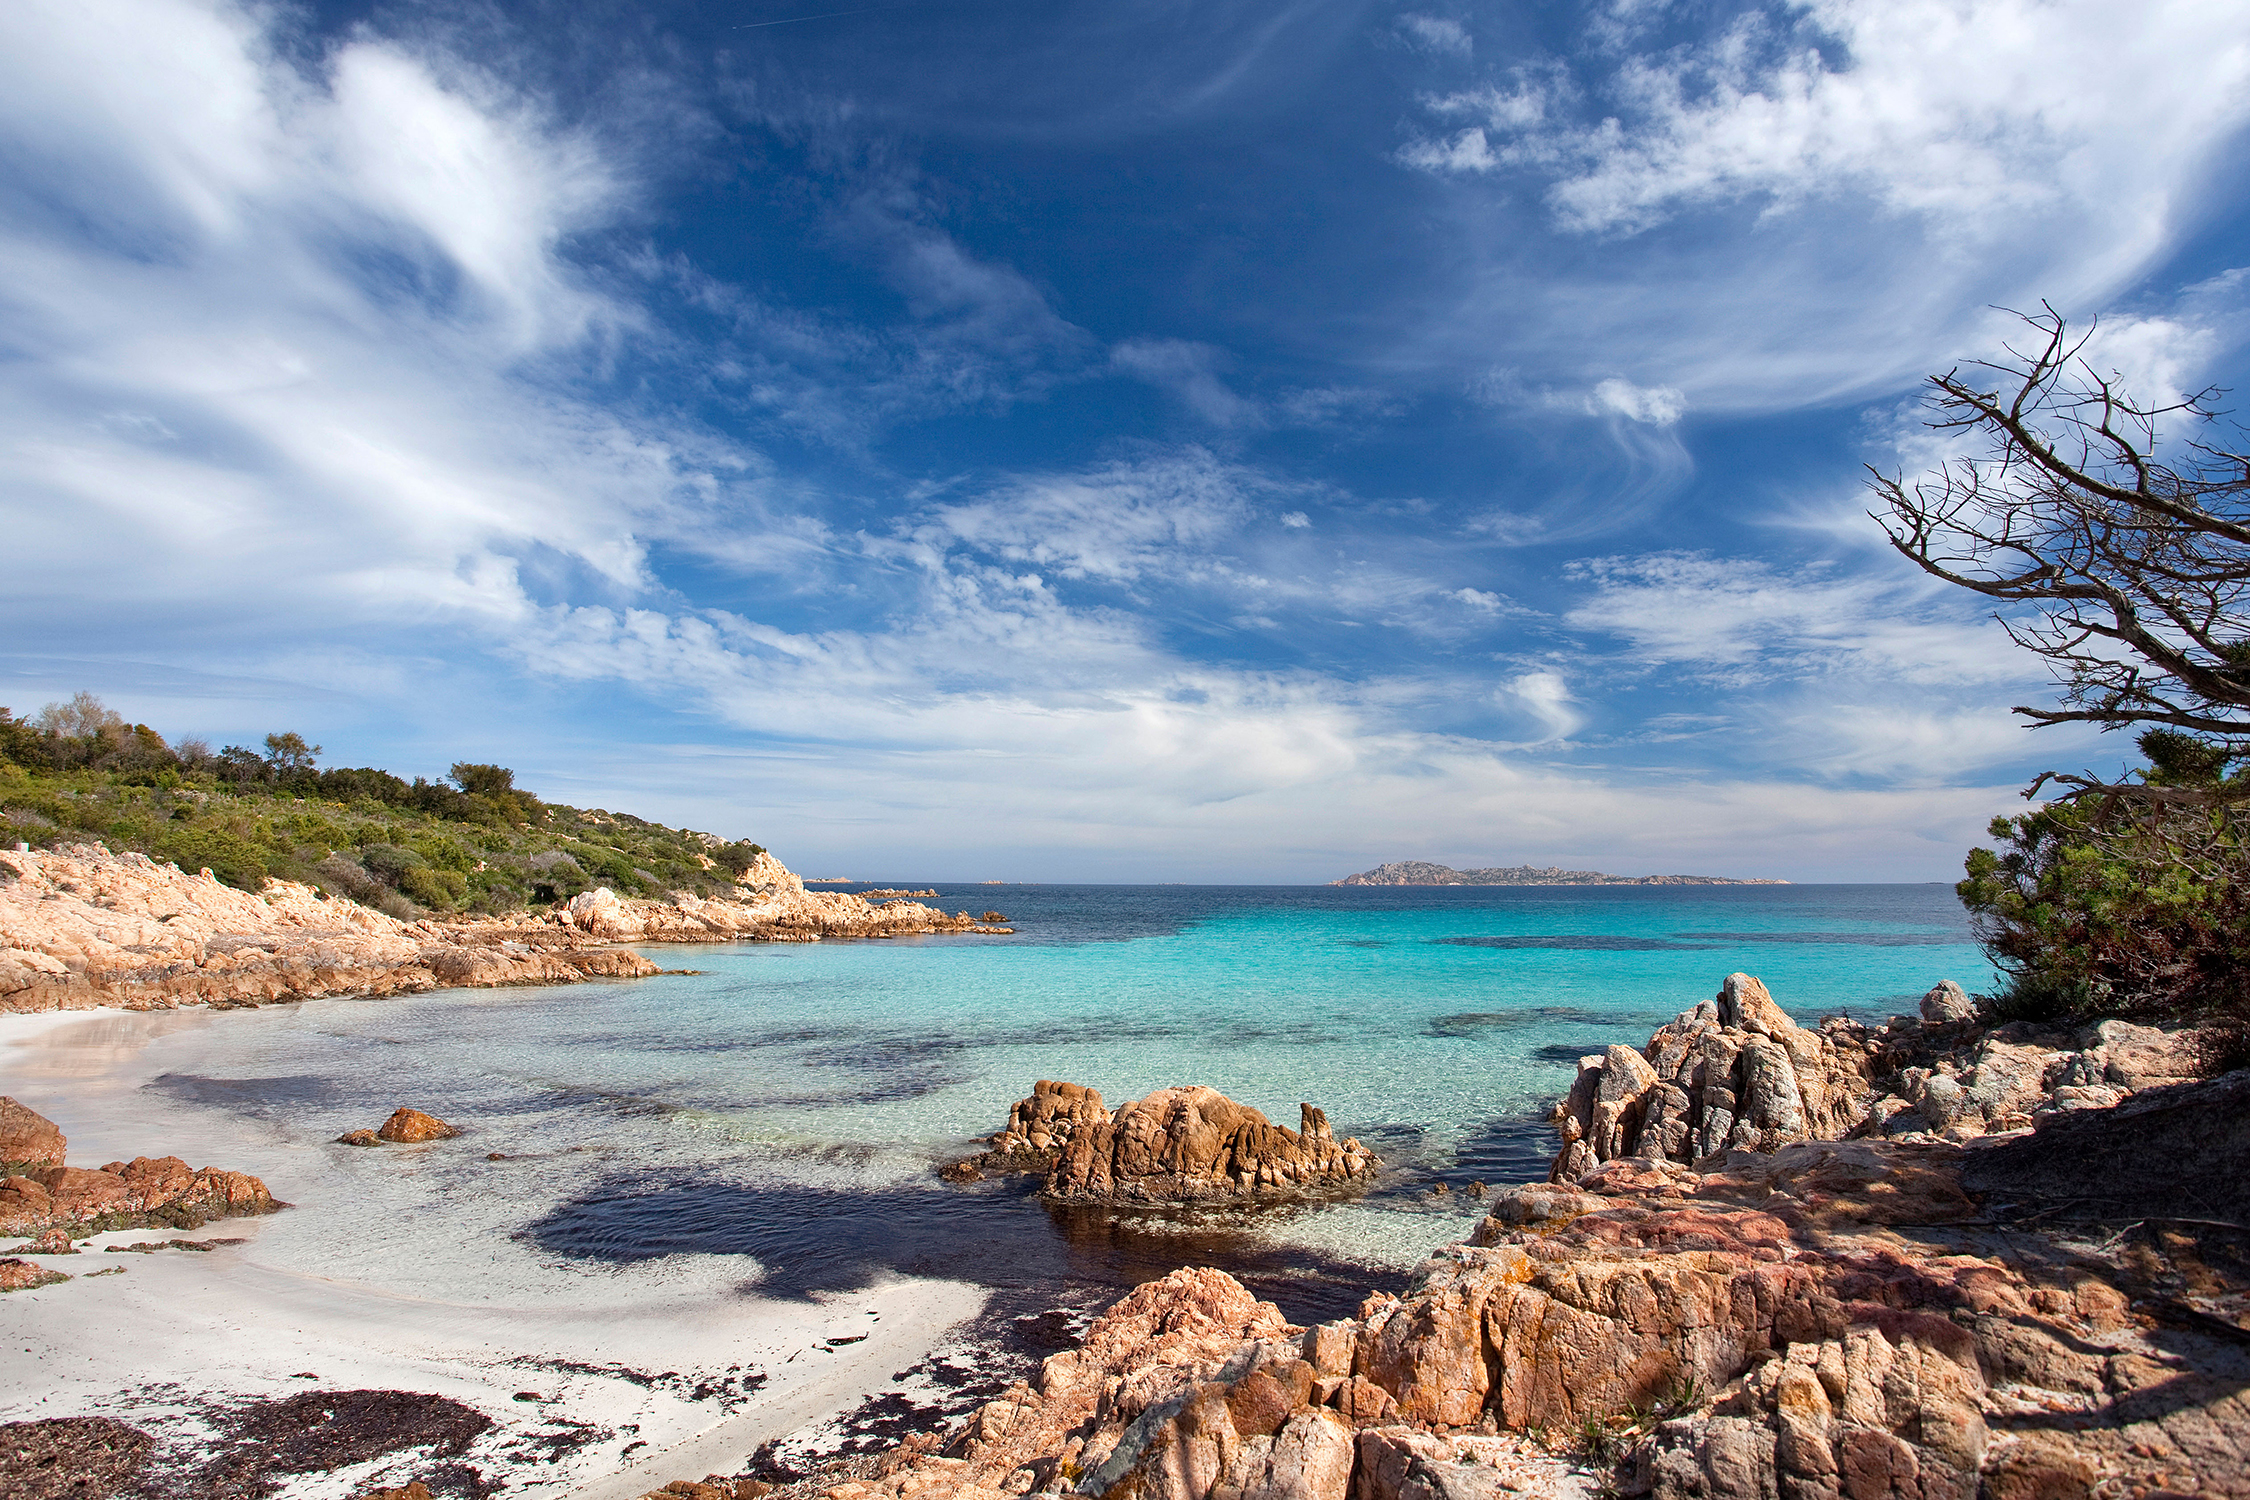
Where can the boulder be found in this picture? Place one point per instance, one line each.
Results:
(1048, 1119)
(28, 1139)
(1947, 1003)
(1735, 1073)
(1190, 1144)
(411, 1125)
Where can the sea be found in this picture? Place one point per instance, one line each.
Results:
(788, 1105)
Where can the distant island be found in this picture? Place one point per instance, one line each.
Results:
(1420, 872)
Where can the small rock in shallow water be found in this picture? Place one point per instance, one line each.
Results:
(358, 1138)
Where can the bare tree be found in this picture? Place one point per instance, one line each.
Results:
(2119, 521)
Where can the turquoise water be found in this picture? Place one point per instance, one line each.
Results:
(787, 1104)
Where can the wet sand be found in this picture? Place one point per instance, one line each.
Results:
(642, 1373)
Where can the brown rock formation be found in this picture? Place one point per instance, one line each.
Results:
(1177, 1145)
(1834, 1320)
(1192, 1389)
(411, 1125)
(28, 1139)
(1047, 1120)
(24, 1275)
(81, 927)
(123, 1195)
(1736, 1073)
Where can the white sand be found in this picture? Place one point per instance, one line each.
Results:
(388, 1277)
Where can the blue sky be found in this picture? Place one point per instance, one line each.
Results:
(1033, 439)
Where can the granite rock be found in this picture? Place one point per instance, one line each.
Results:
(412, 1126)
(1189, 1144)
(28, 1139)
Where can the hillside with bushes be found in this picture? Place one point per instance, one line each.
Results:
(471, 842)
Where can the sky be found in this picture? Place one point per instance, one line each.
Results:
(1119, 441)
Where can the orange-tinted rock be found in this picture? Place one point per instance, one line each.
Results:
(412, 1490)
(23, 1275)
(411, 1125)
(125, 1195)
(1194, 1143)
(28, 1139)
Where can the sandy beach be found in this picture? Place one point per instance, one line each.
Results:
(391, 1272)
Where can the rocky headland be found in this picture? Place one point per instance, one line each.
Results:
(1177, 1146)
(82, 927)
(1933, 1260)
(1421, 872)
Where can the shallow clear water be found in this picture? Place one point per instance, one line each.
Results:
(785, 1107)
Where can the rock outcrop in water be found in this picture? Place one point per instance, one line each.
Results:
(1178, 1145)
(121, 1195)
(81, 927)
(1736, 1073)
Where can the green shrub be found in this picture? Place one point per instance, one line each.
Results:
(435, 888)
(2140, 911)
(233, 860)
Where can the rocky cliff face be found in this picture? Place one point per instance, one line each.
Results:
(82, 927)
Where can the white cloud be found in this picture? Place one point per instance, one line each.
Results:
(340, 298)
(1296, 520)
(1546, 698)
(1117, 523)
(1740, 619)
(1468, 151)
(1658, 406)
(1862, 182)
(1436, 34)
(1964, 111)
(1189, 371)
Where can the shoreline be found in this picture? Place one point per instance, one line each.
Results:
(82, 928)
(668, 1363)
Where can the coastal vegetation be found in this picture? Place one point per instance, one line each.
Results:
(2114, 534)
(473, 841)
